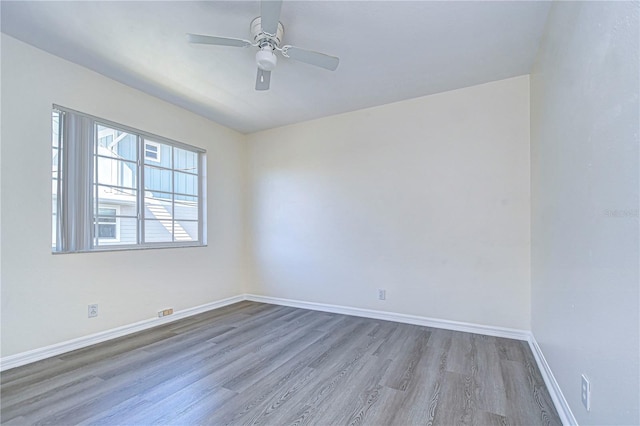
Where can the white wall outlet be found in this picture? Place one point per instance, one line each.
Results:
(93, 311)
(586, 393)
(382, 294)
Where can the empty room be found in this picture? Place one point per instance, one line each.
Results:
(320, 212)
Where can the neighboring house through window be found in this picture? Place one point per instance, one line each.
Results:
(117, 187)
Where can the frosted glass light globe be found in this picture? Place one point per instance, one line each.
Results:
(266, 58)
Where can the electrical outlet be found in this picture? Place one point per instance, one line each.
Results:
(165, 312)
(93, 311)
(382, 294)
(586, 393)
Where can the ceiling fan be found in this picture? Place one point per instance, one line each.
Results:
(266, 32)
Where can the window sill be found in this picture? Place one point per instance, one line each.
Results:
(131, 248)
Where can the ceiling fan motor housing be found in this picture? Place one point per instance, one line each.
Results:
(260, 37)
(266, 58)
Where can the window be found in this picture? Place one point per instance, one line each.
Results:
(108, 225)
(152, 152)
(114, 187)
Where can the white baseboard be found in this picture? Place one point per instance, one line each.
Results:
(562, 406)
(70, 345)
(509, 333)
(34, 355)
(559, 401)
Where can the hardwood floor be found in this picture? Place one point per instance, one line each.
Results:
(253, 363)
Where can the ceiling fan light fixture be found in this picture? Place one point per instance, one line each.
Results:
(266, 59)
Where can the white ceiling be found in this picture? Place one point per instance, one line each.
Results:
(389, 51)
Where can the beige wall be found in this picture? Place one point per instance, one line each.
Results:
(584, 184)
(426, 198)
(45, 296)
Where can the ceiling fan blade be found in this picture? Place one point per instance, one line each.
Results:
(263, 79)
(310, 57)
(270, 15)
(219, 41)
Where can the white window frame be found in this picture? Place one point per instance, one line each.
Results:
(77, 221)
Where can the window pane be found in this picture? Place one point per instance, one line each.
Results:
(157, 231)
(107, 230)
(185, 161)
(128, 230)
(54, 162)
(157, 179)
(107, 211)
(125, 198)
(55, 128)
(186, 207)
(54, 222)
(107, 215)
(116, 143)
(157, 208)
(112, 228)
(115, 172)
(186, 230)
(154, 149)
(186, 184)
(123, 231)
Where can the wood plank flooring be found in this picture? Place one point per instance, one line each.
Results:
(253, 363)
